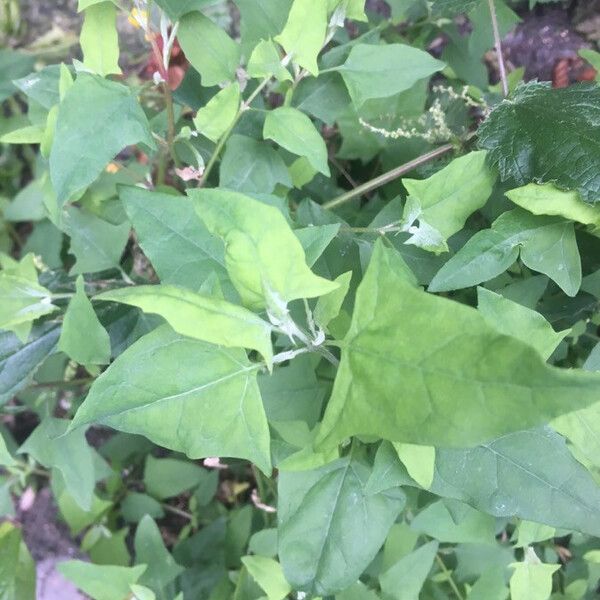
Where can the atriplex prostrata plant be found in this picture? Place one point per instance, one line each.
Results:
(389, 378)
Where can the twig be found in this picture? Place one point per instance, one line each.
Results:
(389, 176)
(449, 577)
(498, 43)
(178, 511)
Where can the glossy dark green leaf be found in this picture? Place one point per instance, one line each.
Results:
(212, 408)
(548, 135)
(430, 371)
(324, 543)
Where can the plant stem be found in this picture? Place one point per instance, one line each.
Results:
(449, 577)
(177, 511)
(389, 176)
(63, 384)
(498, 42)
(243, 108)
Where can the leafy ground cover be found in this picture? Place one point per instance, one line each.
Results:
(302, 304)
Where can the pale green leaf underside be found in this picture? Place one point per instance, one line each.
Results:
(264, 258)
(427, 370)
(185, 395)
(521, 322)
(201, 317)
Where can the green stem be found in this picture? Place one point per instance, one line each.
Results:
(63, 384)
(178, 511)
(389, 176)
(449, 577)
(243, 108)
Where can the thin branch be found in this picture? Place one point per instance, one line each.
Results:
(449, 577)
(389, 176)
(498, 43)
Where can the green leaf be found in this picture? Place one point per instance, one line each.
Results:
(96, 244)
(201, 317)
(324, 543)
(269, 576)
(531, 580)
(83, 338)
(175, 9)
(548, 135)
(69, 453)
(315, 239)
(255, 235)
(19, 361)
(388, 472)
(528, 474)
(460, 382)
(530, 533)
(324, 97)
(381, 71)
(293, 393)
(173, 237)
(17, 569)
(169, 477)
(419, 462)
(101, 582)
(13, 65)
(96, 120)
(450, 521)
(23, 301)
(208, 48)
(545, 244)
(520, 322)
(31, 134)
(6, 459)
(212, 407)
(252, 166)
(150, 550)
(447, 198)
(328, 307)
(295, 132)
(266, 62)
(547, 199)
(214, 119)
(404, 580)
(136, 506)
(453, 7)
(99, 40)
(261, 20)
(304, 33)
(490, 586)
